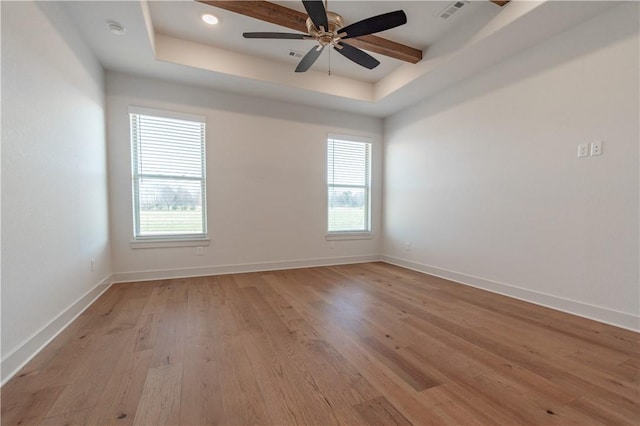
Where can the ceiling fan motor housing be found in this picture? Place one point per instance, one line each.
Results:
(330, 35)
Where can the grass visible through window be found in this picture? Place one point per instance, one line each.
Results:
(154, 222)
(347, 218)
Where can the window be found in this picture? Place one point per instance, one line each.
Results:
(168, 162)
(348, 185)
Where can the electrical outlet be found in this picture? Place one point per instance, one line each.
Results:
(93, 261)
(199, 251)
(407, 245)
(596, 148)
(583, 150)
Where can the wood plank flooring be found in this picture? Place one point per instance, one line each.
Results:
(354, 344)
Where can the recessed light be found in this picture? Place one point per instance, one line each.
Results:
(209, 19)
(116, 28)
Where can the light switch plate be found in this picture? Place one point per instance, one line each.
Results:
(583, 150)
(596, 148)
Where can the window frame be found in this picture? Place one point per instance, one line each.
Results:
(348, 234)
(166, 240)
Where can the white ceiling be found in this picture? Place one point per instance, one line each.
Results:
(168, 40)
(424, 27)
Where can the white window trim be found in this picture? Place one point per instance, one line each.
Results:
(182, 240)
(166, 114)
(348, 235)
(343, 236)
(142, 243)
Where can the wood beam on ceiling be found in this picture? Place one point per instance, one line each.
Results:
(295, 20)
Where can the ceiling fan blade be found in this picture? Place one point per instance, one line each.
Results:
(309, 58)
(375, 24)
(317, 13)
(287, 36)
(358, 56)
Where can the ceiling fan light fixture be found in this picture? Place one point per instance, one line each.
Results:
(210, 19)
(326, 36)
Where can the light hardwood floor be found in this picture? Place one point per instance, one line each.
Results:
(354, 344)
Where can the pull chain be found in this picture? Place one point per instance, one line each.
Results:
(329, 61)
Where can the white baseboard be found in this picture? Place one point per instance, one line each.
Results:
(239, 268)
(597, 313)
(24, 352)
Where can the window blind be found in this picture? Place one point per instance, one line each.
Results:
(168, 160)
(348, 181)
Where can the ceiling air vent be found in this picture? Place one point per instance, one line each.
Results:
(453, 8)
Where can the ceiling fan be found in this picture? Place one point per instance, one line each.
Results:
(327, 29)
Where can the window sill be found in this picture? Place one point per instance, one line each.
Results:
(169, 242)
(348, 236)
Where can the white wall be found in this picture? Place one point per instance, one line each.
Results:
(265, 182)
(54, 183)
(484, 181)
